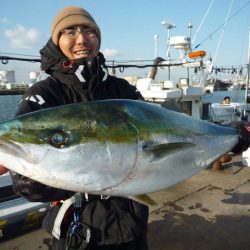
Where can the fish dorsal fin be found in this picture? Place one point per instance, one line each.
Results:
(144, 199)
(160, 151)
(171, 105)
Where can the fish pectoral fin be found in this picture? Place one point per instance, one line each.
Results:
(161, 151)
(144, 199)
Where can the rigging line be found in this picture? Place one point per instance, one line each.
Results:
(16, 54)
(143, 66)
(219, 27)
(223, 30)
(129, 61)
(5, 59)
(198, 30)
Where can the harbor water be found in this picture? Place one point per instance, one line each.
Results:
(8, 106)
(9, 103)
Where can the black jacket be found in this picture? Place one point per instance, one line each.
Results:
(69, 82)
(113, 221)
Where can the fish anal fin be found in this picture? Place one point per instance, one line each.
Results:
(144, 199)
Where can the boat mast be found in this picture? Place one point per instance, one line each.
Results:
(190, 26)
(248, 68)
(168, 26)
(156, 44)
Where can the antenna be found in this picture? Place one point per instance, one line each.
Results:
(168, 26)
(190, 26)
(156, 44)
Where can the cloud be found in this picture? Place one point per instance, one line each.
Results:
(5, 20)
(111, 53)
(21, 37)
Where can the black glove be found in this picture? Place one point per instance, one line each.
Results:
(244, 137)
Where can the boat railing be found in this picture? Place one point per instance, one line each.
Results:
(227, 113)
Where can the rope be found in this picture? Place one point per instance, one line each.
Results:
(5, 59)
(219, 27)
(223, 30)
(202, 21)
(122, 66)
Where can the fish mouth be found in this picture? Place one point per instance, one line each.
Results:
(17, 150)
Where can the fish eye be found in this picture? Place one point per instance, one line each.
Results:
(58, 139)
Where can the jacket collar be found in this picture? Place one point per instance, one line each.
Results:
(82, 72)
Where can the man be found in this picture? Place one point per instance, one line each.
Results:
(226, 100)
(77, 74)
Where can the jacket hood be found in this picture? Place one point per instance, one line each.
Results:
(51, 56)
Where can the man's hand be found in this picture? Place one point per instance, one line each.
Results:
(3, 170)
(244, 137)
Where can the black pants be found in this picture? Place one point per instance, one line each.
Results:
(139, 244)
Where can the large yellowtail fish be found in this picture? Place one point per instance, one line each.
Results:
(111, 147)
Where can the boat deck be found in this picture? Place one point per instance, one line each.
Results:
(211, 210)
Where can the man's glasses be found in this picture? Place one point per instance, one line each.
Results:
(74, 32)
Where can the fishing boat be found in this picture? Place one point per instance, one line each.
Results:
(186, 90)
(235, 111)
(192, 84)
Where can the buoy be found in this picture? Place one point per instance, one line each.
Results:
(200, 53)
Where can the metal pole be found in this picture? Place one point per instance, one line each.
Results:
(156, 44)
(168, 26)
(248, 67)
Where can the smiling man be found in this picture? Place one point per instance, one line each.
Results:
(78, 74)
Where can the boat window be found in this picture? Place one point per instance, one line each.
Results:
(205, 111)
(186, 107)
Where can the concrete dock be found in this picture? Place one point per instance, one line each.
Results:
(209, 211)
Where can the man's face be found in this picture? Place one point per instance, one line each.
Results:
(79, 42)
